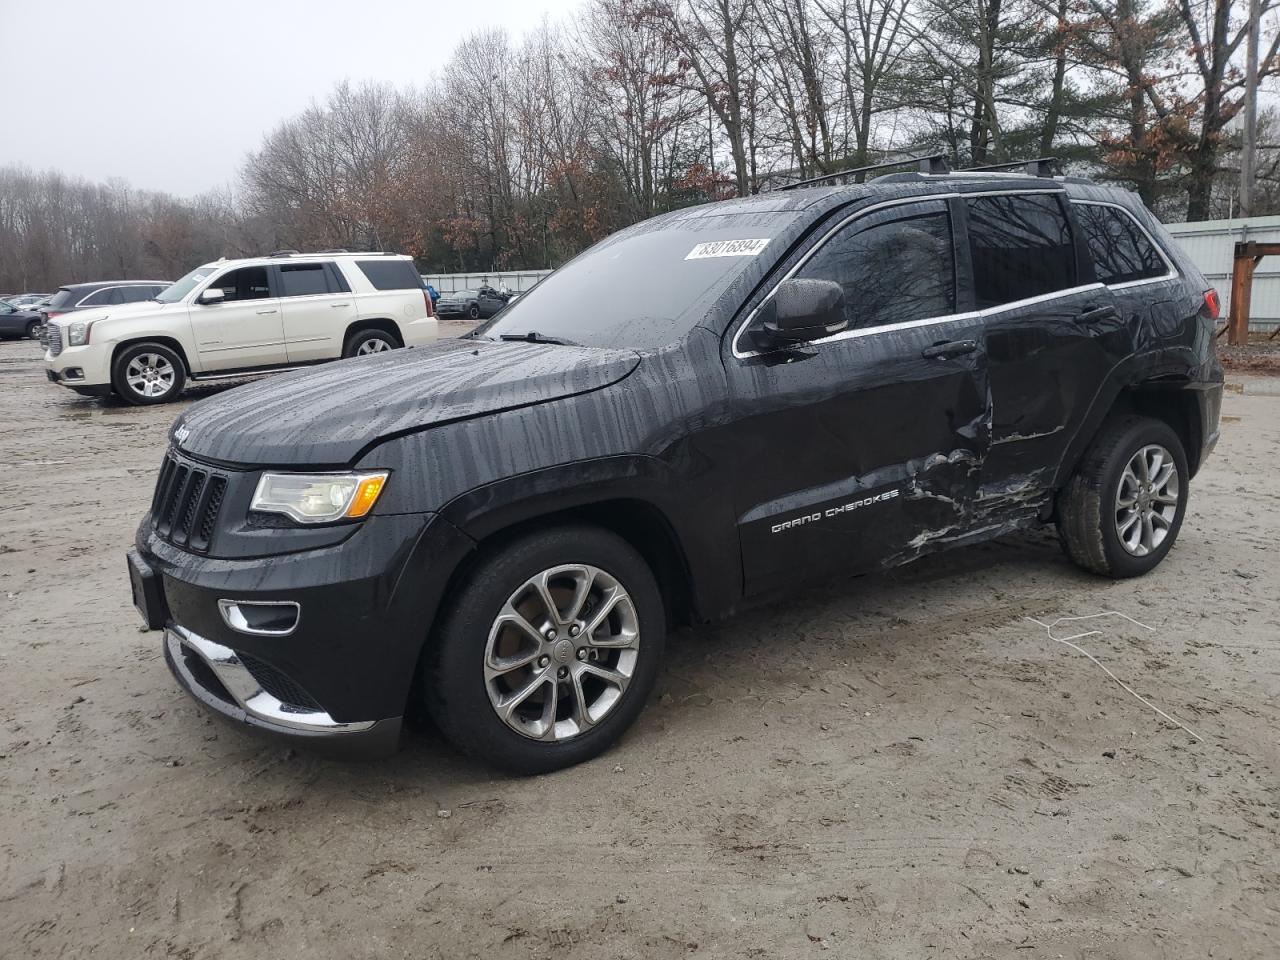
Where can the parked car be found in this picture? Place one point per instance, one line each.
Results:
(825, 382)
(17, 322)
(103, 293)
(28, 301)
(240, 316)
(476, 304)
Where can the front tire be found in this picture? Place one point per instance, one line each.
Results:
(548, 652)
(1121, 511)
(148, 373)
(473, 312)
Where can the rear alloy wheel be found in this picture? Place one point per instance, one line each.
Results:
(549, 651)
(1121, 511)
(148, 373)
(33, 330)
(366, 342)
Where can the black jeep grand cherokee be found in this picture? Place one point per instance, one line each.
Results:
(715, 404)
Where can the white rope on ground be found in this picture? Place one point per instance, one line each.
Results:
(1067, 641)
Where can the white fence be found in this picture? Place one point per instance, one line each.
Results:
(1210, 245)
(515, 281)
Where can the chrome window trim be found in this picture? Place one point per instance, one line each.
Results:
(906, 324)
(1171, 269)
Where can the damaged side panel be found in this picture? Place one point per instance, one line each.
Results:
(853, 450)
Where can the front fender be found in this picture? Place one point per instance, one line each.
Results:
(611, 489)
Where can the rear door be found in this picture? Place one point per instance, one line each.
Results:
(316, 310)
(245, 329)
(863, 447)
(1052, 334)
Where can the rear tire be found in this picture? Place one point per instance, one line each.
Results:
(33, 330)
(530, 687)
(1120, 513)
(148, 373)
(364, 342)
(474, 312)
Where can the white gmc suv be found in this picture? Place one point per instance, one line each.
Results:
(234, 317)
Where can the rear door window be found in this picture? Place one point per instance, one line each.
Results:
(896, 265)
(1121, 250)
(104, 298)
(303, 279)
(391, 274)
(1021, 247)
(136, 294)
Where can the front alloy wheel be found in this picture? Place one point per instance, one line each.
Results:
(562, 652)
(148, 373)
(548, 650)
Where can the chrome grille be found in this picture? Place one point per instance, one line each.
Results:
(51, 338)
(184, 509)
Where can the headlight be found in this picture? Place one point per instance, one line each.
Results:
(318, 497)
(77, 334)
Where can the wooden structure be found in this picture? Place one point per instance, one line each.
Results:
(1247, 257)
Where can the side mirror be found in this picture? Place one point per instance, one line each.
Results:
(212, 295)
(801, 311)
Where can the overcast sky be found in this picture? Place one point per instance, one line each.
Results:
(171, 94)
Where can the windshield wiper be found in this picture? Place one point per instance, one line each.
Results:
(533, 336)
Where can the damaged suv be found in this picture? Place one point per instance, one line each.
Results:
(827, 381)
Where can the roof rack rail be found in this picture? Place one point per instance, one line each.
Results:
(935, 163)
(334, 250)
(1039, 167)
(282, 253)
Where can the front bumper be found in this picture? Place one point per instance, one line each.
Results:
(345, 670)
(84, 369)
(217, 677)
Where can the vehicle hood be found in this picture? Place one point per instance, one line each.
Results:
(325, 416)
(97, 315)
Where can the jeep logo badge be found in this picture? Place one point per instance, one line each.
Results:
(181, 433)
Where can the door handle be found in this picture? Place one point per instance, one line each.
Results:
(262, 312)
(335, 306)
(1098, 314)
(949, 348)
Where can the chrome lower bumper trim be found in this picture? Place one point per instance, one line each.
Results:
(245, 689)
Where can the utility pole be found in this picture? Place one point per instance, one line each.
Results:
(1250, 145)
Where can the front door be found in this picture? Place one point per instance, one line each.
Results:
(244, 329)
(865, 447)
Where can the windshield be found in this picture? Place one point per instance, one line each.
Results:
(642, 288)
(184, 286)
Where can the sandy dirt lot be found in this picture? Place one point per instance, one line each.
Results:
(896, 766)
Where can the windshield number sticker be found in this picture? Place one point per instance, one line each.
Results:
(727, 248)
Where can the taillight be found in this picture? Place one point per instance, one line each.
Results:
(49, 315)
(431, 310)
(1212, 305)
